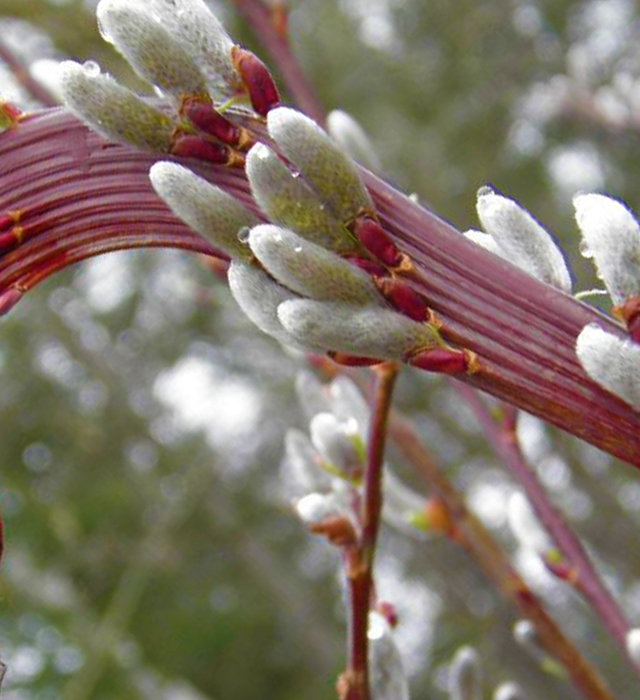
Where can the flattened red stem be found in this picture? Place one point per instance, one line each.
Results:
(257, 80)
(206, 118)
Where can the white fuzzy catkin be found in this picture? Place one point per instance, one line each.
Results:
(259, 297)
(194, 25)
(204, 207)
(331, 173)
(612, 362)
(347, 133)
(524, 241)
(309, 269)
(361, 331)
(486, 241)
(336, 442)
(611, 236)
(287, 200)
(112, 110)
(150, 48)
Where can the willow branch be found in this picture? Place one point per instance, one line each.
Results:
(67, 182)
(469, 533)
(583, 574)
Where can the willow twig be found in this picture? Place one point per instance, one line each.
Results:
(354, 682)
(583, 577)
(469, 533)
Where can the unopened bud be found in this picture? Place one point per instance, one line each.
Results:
(464, 675)
(200, 112)
(332, 174)
(150, 48)
(112, 110)
(326, 515)
(611, 236)
(206, 208)
(338, 443)
(611, 362)
(377, 241)
(288, 201)
(524, 241)
(361, 331)
(309, 269)
(257, 79)
(348, 134)
(305, 464)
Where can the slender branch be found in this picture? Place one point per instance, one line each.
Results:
(584, 576)
(21, 73)
(354, 683)
(472, 536)
(269, 27)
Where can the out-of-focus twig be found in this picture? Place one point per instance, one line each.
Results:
(583, 577)
(469, 533)
(354, 682)
(19, 71)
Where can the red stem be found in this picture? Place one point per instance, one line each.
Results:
(505, 447)
(523, 331)
(359, 562)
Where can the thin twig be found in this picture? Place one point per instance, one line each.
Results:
(354, 683)
(20, 72)
(473, 537)
(270, 30)
(584, 576)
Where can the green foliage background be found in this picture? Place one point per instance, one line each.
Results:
(145, 560)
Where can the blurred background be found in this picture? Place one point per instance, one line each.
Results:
(151, 548)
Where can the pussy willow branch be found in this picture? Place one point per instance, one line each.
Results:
(354, 683)
(72, 187)
(585, 578)
(469, 533)
(268, 23)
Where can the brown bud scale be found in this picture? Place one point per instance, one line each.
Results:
(206, 118)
